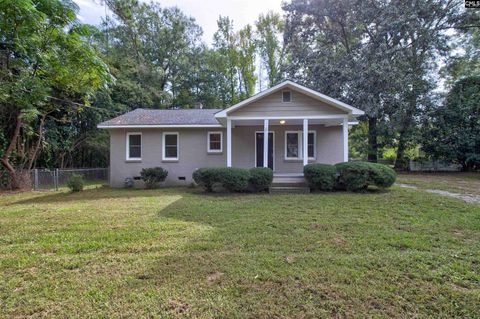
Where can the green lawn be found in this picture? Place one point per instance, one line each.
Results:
(402, 253)
(452, 182)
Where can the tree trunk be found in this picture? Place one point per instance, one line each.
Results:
(14, 181)
(372, 140)
(400, 161)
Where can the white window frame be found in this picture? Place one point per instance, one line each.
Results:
(300, 145)
(291, 96)
(127, 145)
(164, 158)
(209, 150)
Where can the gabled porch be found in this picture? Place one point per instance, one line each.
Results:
(286, 144)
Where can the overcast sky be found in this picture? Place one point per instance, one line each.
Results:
(205, 12)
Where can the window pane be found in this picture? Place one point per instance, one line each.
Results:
(311, 144)
(215, 142)
(171, 140)
(292, 144)
(135, 151)
(135, 146)
(171, 146)
(286, 96)
(171, 151)
(135, 139)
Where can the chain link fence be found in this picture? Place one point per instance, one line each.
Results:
(43, 179)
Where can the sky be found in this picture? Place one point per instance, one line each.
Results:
(205, 12)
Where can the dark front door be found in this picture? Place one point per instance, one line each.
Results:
(259, 146)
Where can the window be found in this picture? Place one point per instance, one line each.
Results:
(170, 146)
(311, 144)
(294, 144)
(287, 96)
(134, 146)
(214, 141)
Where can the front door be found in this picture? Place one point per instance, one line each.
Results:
(259, 149)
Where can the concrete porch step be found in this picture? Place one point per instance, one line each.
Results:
(289, 190)
(297, 181)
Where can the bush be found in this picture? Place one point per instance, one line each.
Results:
(231, 178)
(152, 176)
(320, 176)
(260, 178)
(357, 176)
(234, 179)
(75, 183)
(206, 178)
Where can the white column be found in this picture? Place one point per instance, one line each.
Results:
(265, 143)
(345, 139)
(229, 142)
(305, 142)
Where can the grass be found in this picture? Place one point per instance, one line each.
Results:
(453, 182)
(178, 253)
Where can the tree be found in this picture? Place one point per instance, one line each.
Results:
(341, 49)
(246, 59)
(379, 56)
(46, 66)
(269, 32)
(225, 43)
(453, 129)
(466, 60)
(150, 49)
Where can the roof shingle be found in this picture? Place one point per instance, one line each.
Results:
(164, 117)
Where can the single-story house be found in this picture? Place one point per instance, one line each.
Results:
(284, 128)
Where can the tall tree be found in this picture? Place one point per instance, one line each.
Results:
(150, 49)
(246, 59)
(378, 56)
(452, 131)
(46, 66)
(270, 29)
(225, 42)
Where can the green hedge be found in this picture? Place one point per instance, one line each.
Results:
(152, 176)
(320, 176)
(260, 179)
(233, 179)
(230, 178)
(357, 176)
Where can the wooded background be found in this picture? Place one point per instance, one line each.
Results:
(412, 65)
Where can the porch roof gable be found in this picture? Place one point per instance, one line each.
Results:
(354, 112)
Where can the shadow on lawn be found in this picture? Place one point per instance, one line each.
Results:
(103, 192)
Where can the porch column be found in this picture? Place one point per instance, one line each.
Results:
(345, 139)
(305, 142)
(265, 143)
(229, 142)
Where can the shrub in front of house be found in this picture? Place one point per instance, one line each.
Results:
(320, 176)
(260, 179)
(153, 176)
(75, 183)
(234, 179)
(206, 177)
(357, 176)
(231, 179)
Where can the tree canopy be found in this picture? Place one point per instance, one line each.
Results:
(47, 70)
(392, 59)
(453, 129)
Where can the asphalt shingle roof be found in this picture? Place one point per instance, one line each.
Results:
(165, 117)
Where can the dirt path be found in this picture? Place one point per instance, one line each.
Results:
(469, 198)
